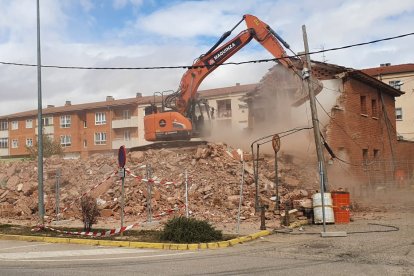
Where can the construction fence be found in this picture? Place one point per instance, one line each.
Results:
(375, 177)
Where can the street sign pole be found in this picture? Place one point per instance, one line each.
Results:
(276, 148)
(121, 164)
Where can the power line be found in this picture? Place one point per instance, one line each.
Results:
(202, 66)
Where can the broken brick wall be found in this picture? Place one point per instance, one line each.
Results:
(366, 135)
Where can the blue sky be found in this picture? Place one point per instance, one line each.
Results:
(137, 33)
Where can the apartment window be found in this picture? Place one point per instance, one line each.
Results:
(374, 108)
(398, 114)
(127, 135)
(100, 118)
(100, 138)
(47, 121)
(15, 143)
(65, 121)
(29, 142)
(376, 153)
(14, 125)
(29, 123)
(4, 125)
(84, 124)
(365, 155)
(85, 143)
(224, 108)
(4, 143)
(126, 114)
(396, 84)
(364, 105)
(65, 140)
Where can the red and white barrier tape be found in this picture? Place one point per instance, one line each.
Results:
(166, 212)
(93, 234)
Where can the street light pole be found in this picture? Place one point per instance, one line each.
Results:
(39, 124)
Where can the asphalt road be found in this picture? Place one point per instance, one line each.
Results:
(367, 250)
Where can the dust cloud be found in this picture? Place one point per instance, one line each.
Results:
(271, 111)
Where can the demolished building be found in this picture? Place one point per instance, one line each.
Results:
(357, 117)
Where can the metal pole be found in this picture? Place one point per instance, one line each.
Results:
(322, 196)
(315, 120)
(256, 178)
(241, 197)
(122, 197)
(186, 195)
(57, 190)
(277, 205)
(40, 125)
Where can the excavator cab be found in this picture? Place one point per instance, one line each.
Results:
(172, 126)
(167, 126)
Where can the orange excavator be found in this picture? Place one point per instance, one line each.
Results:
(181, 121)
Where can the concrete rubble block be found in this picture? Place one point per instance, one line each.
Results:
(11, 170)
(3, 193)
(291, 182)
(12, 182)
(106, 169)
(3, 180)
(107, 213)
(137, 156)
(234, 199)
(20, 187)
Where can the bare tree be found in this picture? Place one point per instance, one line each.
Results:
(50, 147)
(90, 212)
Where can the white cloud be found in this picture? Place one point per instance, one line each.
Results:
(120, 4)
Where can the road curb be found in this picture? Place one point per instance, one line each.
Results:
(133, 244)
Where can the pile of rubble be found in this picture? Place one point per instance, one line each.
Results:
(213, 173)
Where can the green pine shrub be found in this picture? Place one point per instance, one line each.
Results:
(189, 230)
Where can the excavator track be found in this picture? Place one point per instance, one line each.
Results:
(169, 145)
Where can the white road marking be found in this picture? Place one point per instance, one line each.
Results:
(24, 246)
(69, 253)
(99, 258)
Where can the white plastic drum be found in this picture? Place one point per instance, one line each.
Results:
(317, 208)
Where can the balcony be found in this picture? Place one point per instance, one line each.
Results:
(224, 114)
(117, 143)
(4, 152)
(46, 130)
(4, 133)
(124, 123)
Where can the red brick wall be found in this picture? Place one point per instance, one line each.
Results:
(355, 131)
(21, 134)
(350, 131)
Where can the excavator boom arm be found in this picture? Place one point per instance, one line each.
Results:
(208, 62)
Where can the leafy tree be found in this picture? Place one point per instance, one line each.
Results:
(50, 147)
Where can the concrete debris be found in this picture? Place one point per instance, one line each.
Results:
(214, 175)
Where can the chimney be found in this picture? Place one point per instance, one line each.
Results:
(109, 98)
(138, 95)
(50, 105)
(68, 103)
(237, 83)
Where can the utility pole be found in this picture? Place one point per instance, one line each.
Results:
(315, 121)
(39, 125)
